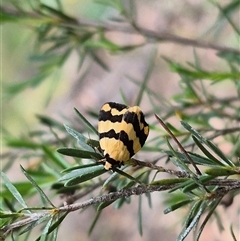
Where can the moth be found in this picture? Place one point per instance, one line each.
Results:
(122, 133)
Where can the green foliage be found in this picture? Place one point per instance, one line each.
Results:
(68, 161)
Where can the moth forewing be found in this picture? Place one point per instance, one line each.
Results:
(122, 132)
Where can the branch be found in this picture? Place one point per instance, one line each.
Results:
(31, 218)
(125, 28)
(231, 183)
(34, 217)
(227, 185)
(112, 196)
(163, 36)
(151, 165)
(178, 143)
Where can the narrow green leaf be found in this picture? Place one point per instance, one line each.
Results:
(194, 220)
(201, 74)
(80, 167)
(103, 205)
(45, 199)
(6, 17)
(110, 179)
(54, 235)
(59, 5)
(211, 210)
(39, 175)
(56, 44)
(218, 218)
(192, 212)
(128, 176)
(44, 235)
(16, 88)
(91, 127)
(93, 143)
(178, 162)
(148, 73)
(216, 150)
(14, 191)
(219, 153)
(60, 14)
(23, 187)
(79, 153)
(83, 178)
(221, 171)
(55, 157)
(119, 202)
(192, 184)
(92, 113)
(207, 153)
(39, 219)
(230, 57)
(57, 223)
(177, 206)
(8, 203)
(101, 44)
(149, 198)
(22, 144)
(81, 55)
(225, 12)
(181, 185)
(5, 214)
(82, 140)
(99, 61)
(83, 38)
(82, 175)
(232, 233)
(174, 130)
(46, 120)
(123, 96)
(198, 159)
(140, 225)
(61, 189)
(192, 131)
(231, 7)
(195, 184)
(97, 216)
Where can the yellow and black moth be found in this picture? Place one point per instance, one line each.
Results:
(122, 133)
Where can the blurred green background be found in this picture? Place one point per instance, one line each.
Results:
(27, 91)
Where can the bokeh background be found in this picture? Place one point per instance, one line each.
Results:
(91, 86)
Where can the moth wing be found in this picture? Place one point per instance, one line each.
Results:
(137, 127)
(122, 132)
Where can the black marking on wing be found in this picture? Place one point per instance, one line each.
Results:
(106, 115)
(122, 136)
(131, 117)
(117, 106)
(113, 162)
